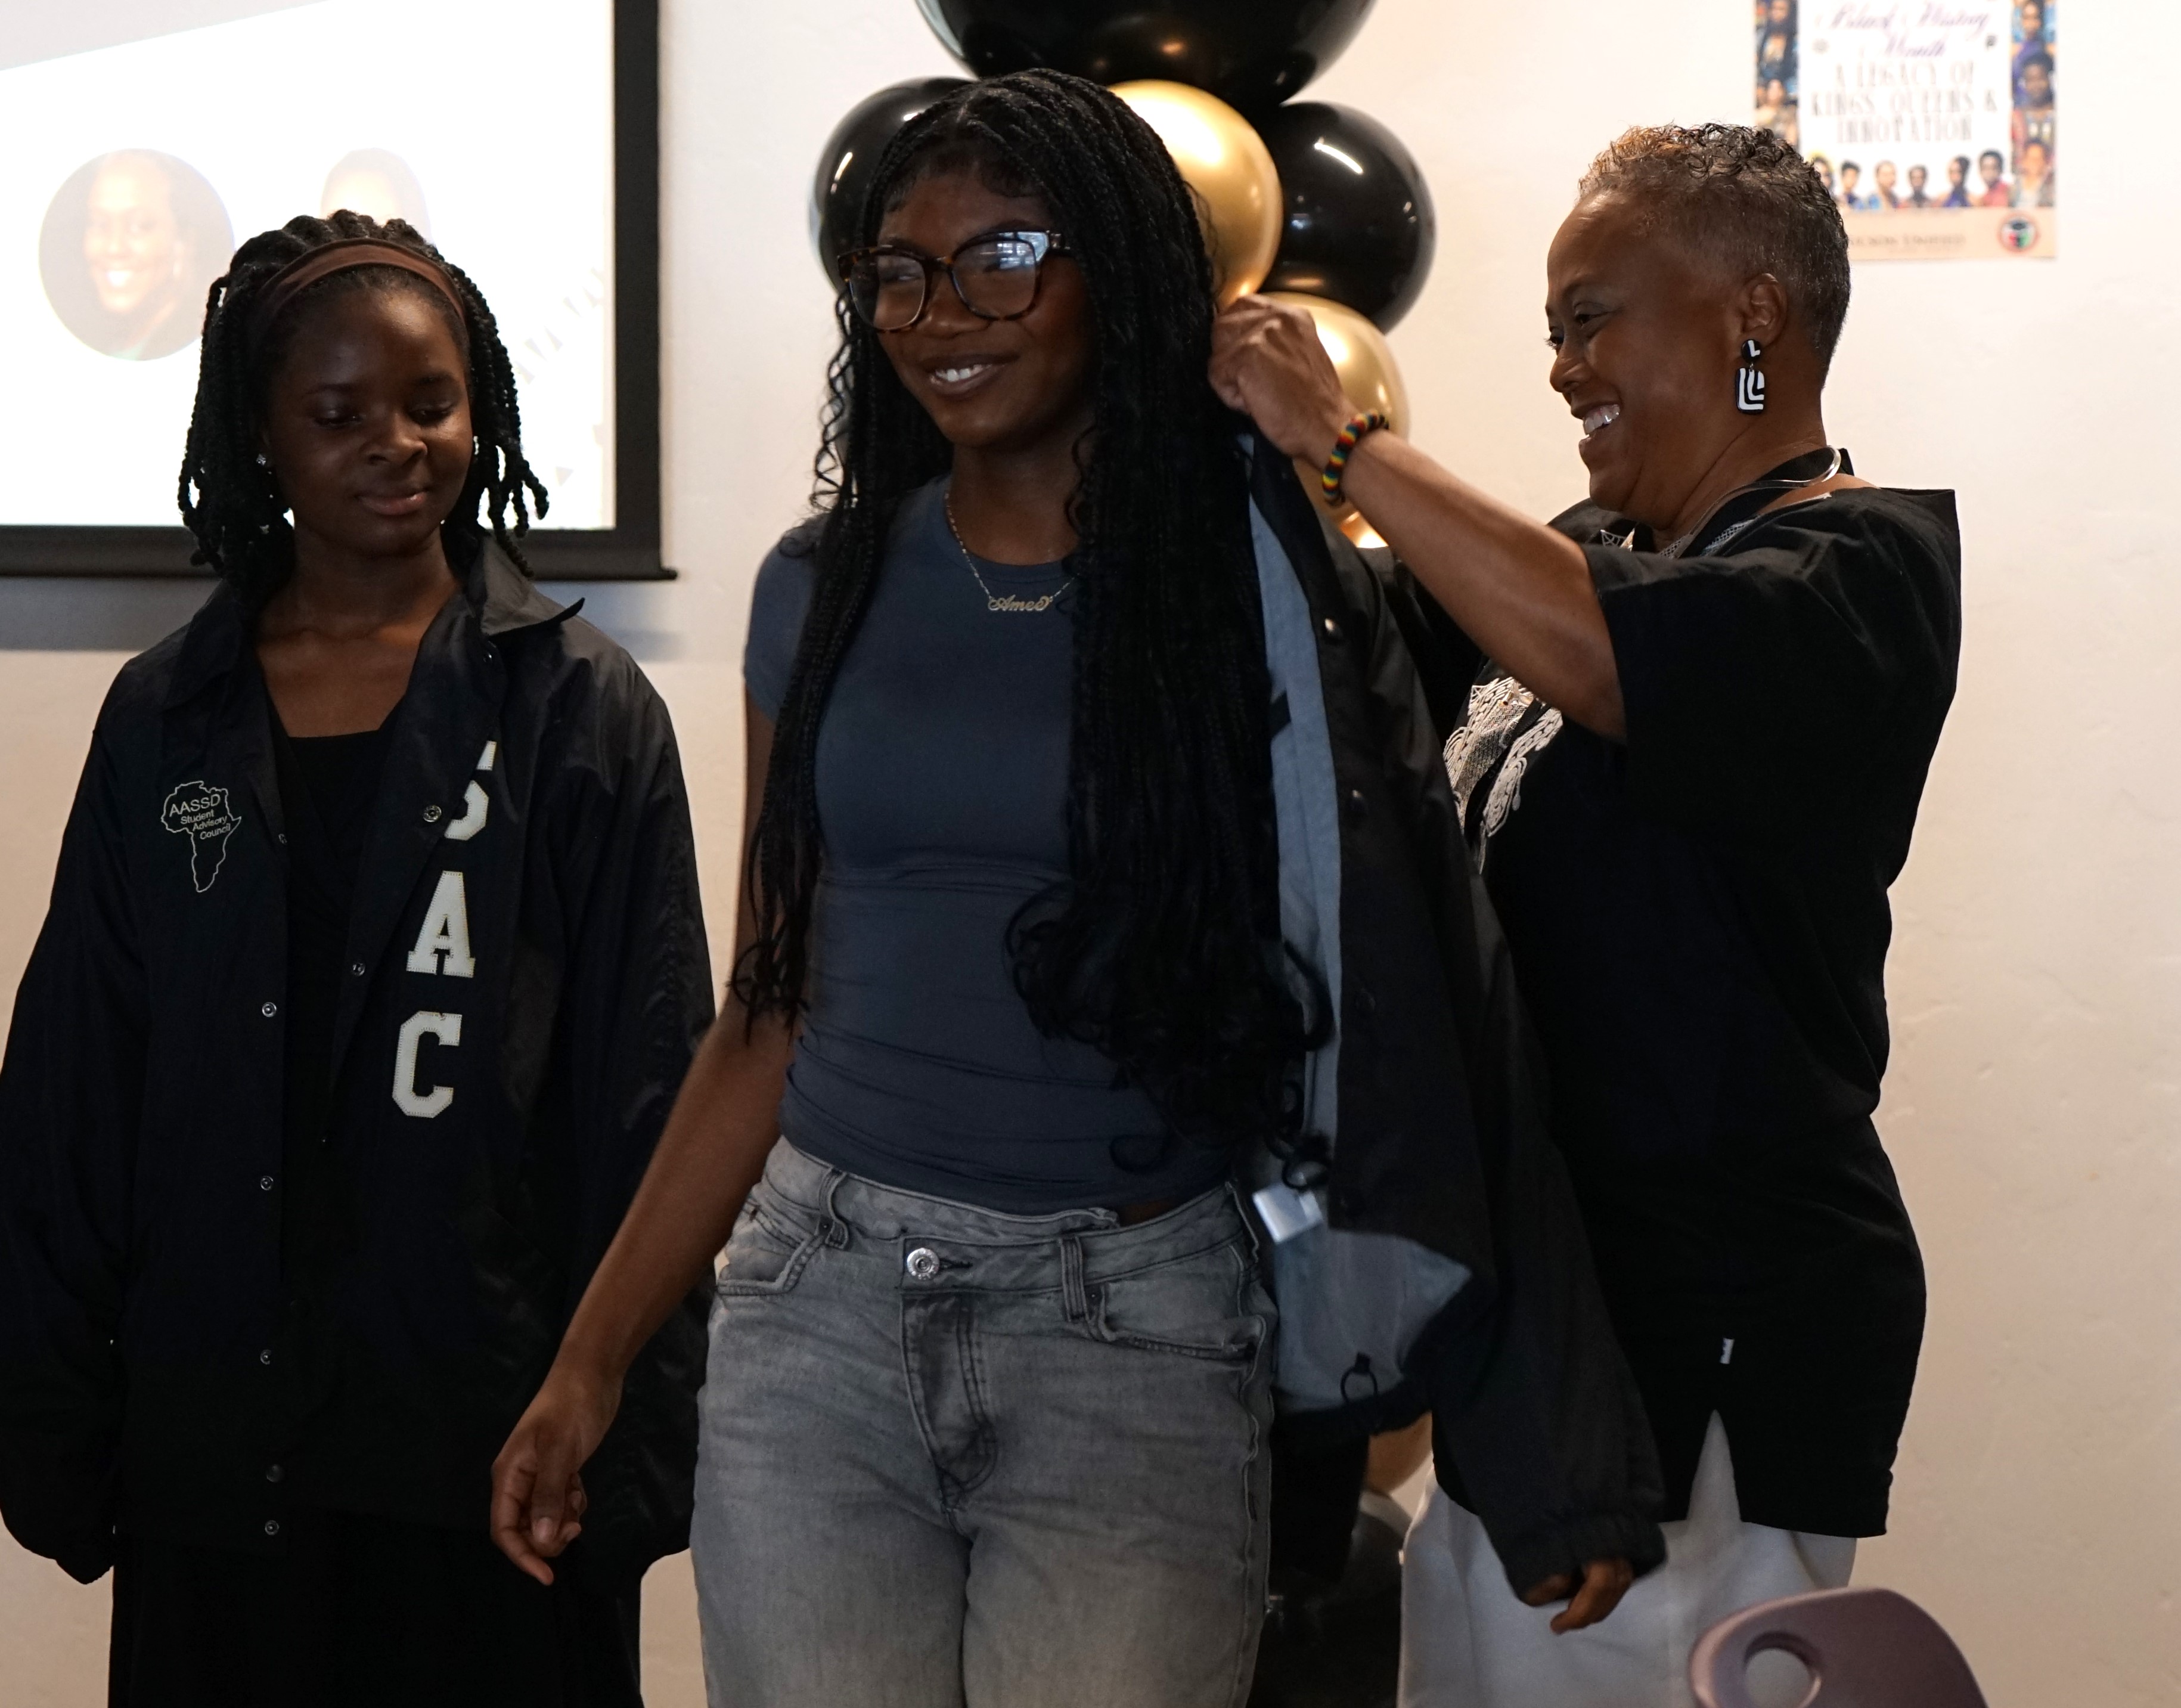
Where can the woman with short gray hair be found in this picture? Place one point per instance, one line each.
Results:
(1689, 770)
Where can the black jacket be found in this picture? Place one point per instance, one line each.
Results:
(500, 1079)
(1443, 1123)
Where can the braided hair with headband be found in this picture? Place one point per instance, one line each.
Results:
(1162, 948)
(228, 501)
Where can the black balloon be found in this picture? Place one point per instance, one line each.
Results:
(1357, 224)
(851, 154)
(1251, 53)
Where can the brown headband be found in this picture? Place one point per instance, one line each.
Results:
(307, 269)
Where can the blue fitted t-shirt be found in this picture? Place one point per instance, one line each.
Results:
(942, 786)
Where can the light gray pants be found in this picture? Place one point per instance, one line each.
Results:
(956, 1459)
(1467, 1642)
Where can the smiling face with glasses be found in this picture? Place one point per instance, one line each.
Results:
(985, 318)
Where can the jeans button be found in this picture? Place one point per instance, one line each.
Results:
(922, 1263)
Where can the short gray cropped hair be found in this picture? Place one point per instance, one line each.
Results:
(1741, 197)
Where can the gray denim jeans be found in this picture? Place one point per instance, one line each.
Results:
(956, 1459)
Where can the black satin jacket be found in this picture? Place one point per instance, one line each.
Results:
(527, 978)
(1444, 1124)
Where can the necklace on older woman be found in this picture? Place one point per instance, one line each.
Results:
(1769, 490)
(1003, 602)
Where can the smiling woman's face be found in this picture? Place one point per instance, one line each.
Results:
(991, 384)
(130, 234)
(1645, 355)
(367, 422)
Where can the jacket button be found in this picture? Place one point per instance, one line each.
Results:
(1332, 630)
(272, 1527)
(355, 969)
(269, 1010)
(265, 1357)
(1358, 808)
(265, 1183)
(274, 1473)
(282, 839)
(432, 815)
(1365, 1004)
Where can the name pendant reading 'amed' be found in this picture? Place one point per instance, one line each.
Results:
(1008, 604)
(995, 601)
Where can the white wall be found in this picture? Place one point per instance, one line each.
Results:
(2037, 980)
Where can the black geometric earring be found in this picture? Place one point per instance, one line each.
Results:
(1749, 388)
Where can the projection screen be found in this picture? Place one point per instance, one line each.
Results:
(144, 139)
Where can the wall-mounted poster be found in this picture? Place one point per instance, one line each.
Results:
(146, 138)
(1932, 121)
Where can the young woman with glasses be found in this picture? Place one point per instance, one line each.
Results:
(1021, 973)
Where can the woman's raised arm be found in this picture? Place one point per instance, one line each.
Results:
(1519, 590)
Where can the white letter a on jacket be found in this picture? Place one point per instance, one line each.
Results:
(442, 946)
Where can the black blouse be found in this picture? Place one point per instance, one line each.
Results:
(328, 794)
(1699, 921)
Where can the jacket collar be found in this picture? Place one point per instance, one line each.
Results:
(505, 599)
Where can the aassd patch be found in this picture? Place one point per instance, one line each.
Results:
(200, 812)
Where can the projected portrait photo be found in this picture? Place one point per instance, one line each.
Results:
(130, 244)
(377, 182)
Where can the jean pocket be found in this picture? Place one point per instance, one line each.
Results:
(1209, 1306)
(767, 1252)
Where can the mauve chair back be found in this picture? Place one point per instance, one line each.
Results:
(1864, 1649)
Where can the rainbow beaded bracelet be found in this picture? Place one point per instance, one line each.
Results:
(1369, 421)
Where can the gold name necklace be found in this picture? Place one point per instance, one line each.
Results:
(997, 601)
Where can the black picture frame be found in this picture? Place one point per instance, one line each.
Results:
(629, 551)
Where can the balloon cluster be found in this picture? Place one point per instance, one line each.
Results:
(1314, 204)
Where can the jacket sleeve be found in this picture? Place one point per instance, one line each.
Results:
(71, 1092)
(1539, 1427)
(638, 1000)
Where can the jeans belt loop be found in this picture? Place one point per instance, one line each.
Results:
(1074, 1299)
(1234, 1200)
(831, 1228)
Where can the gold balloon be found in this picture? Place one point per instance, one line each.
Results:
(1227, 165)
(1370, 378)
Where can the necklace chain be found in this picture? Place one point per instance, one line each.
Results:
(1784, 486)
(1009, 602)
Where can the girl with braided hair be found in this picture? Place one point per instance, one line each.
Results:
(374, 961)
(1045, 965)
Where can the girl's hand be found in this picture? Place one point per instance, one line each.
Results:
(1603, 1583)
(537, 1498)
(1268, 364)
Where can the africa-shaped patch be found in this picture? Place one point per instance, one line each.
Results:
(200, 812)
